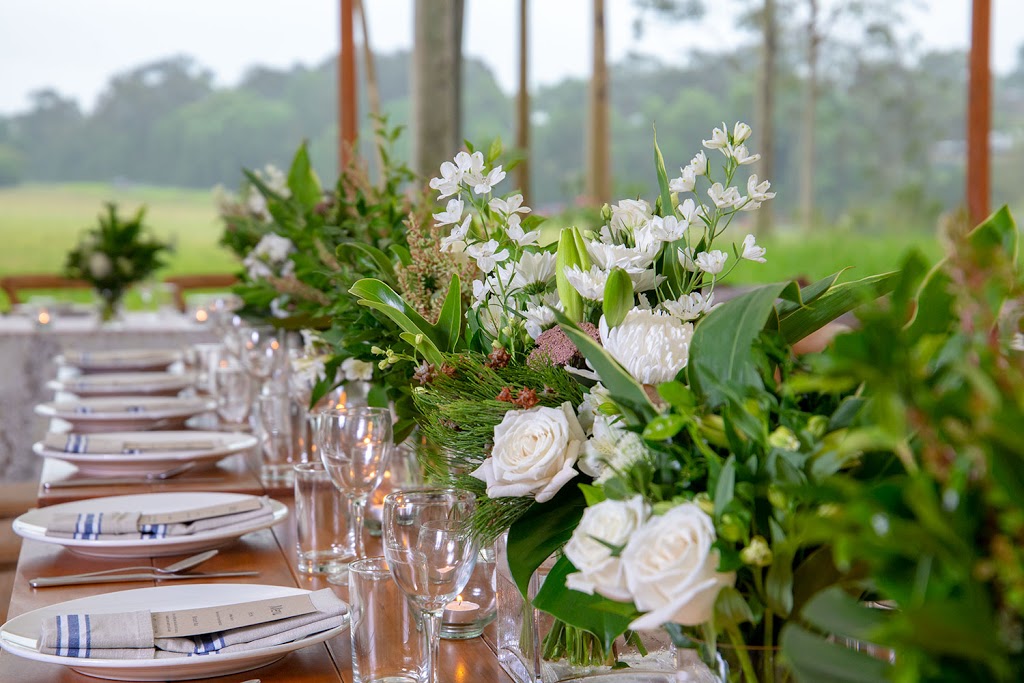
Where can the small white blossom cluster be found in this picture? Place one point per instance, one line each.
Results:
(270, 257)
(516, 291)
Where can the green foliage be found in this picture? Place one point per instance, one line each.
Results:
(939, 535)
(116, 253)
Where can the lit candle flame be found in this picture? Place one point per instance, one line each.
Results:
(44, 317)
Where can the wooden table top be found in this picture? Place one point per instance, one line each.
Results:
(271, 552)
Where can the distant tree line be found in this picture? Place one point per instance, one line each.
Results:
(888, 131)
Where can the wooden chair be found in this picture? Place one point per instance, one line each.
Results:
(184, 283)
(12, 284)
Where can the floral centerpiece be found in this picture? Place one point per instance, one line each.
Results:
(114, 254)
(609, 413)
(302, 246)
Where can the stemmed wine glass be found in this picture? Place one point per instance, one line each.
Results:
(261, 352)
(431, 552)
(355, 446)
(233, 388)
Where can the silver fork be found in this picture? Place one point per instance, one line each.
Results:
(99, 481)
(174, 568)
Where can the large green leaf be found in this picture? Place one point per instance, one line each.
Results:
(838, 300)
(605, 618)
(659, 166)
(835, 611)
(540, 532)
(812, 659)
(302, 180)
(378, 296)
(449, 322)
(997, 232)
(806, 295)
(385, 269)
(627, 391)
(720, 357)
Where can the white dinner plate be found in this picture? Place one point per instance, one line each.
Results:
(119, 360)
(91, 415)
(124, 384)
(27, 626)
(221, 445)
(33, 524)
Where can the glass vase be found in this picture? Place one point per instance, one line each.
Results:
(525, 634)
(110, 304)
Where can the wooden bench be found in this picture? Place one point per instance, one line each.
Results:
(13, 284)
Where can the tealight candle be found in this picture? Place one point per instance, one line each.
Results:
(474, 608)
(460, 611)
(43, 318)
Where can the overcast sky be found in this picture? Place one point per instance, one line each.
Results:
(75, 46)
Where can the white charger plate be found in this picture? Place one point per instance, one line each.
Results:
(33, 524)
(109, 415)
(153, 462)
(27, 627)
(121, 360)
(124, 384)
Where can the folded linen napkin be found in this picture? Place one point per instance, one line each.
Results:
(116, 357)
(129, 635)
(94, 382)
(88, 443)
(119, 526)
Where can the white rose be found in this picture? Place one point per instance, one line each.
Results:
(99, 265)
(534, 453)
(611, 522)
(672, 570)
(652, 346)
(357, 370)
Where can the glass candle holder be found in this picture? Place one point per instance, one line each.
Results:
(476, 606)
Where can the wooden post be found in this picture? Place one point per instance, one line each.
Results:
(523, 104)
(348, 128)
(979, 112)
(598, 153)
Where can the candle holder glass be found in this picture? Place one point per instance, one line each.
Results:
(476, 606)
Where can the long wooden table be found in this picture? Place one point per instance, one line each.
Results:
(270, 552)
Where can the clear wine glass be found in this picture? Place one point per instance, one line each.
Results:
(355, 445)
(430, 551)
(233, 388)
(262, 352)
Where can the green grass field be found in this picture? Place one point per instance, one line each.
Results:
(40, 223)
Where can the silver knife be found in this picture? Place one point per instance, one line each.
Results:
(48, 581)
(125, 481)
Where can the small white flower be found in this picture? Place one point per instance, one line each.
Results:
(277, 307)
(484, 185)
(451, 214)
(450, 180)
(457, 236)
(629, 214)
(759, 191)
(274, 247)
(507, 207)
(688, 210)
(711, 262)
(699, 163)
(751, 251)
(611, 449)
(1017, 341)
(653, 347)
(516, 234)
(740, 132)
(680, 582)
(587, 410)
(684, 183)
(724, 198)
(686, 259)
(481, 290)
(590, 284)
(742, 156)
(357, 370)
(539, 317)
(486, 254)
(604, 526)
(667, 229)
(257, 205)
(100, 265)
(492, 316)
(689, 306)
(719, 138)
(644, 280)
(534, 453)
(609, 256)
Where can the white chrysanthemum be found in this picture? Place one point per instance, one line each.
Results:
(532, 268)
(1017, 342)
(589, 284)
(540, 317)
(611, 449)
(653, 347)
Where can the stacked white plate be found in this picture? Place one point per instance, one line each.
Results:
(141, 453)
(92, 415)
(119, 360)
(124, 384)
(18, 635)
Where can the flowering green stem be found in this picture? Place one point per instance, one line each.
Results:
(747, 666)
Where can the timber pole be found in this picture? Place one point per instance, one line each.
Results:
(348, 127)
(979, 113)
